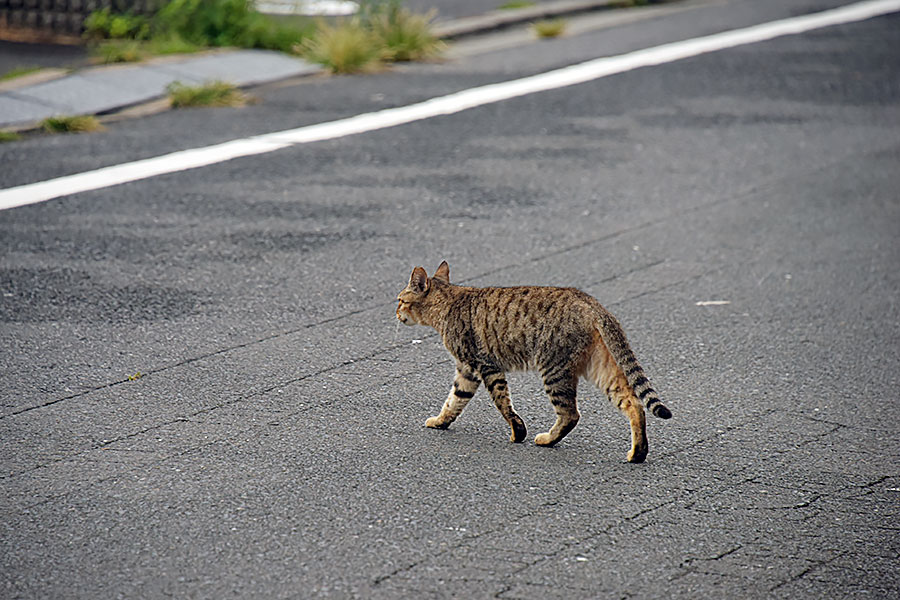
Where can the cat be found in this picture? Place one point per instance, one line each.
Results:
(563, 333)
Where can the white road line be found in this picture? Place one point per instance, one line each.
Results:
(443, 105)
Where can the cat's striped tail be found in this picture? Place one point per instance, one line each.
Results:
(614, 337)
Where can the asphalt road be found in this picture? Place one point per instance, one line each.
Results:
(205, 393)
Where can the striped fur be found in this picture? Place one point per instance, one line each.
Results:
(562, 333)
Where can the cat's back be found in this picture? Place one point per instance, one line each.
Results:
(520, 324)
(529, 305)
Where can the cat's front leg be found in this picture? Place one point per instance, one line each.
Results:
(465, 383)
(561, 388)
(495, 382)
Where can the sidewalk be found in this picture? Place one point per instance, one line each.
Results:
(27, 100)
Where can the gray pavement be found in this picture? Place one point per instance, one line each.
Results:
(26, 101)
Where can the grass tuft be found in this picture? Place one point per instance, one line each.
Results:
(171, 44)
(405, 35)
(9, 136)
(516, 4)
(19, 72)
(214, 93)
(549, 28)
(71, 124)
(345, 47)
(381, 32)
(118, 51)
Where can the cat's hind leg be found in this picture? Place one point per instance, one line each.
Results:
(610, 378)
(634, 410)
(562, 389)
(495, 382)
(465, 384)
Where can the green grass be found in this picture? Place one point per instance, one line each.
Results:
(345, 47)
(170, 45)
(549, 28)
(188, 25)
(214, 93)
(118, 51)
(406, 36)
(71, 124)
(9, 136)
(19, 72)
(383, 31)
(515, 4)
(227, 23)
(104, 24)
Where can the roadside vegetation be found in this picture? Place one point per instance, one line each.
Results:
(344, 47)
(19, 72)
(71, 124)
(549, 28)
(9, 136)
(405, 36)
(383, 31)
(516, 4)
(215, 93)
(182, 26)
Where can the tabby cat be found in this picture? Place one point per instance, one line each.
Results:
(562, 333)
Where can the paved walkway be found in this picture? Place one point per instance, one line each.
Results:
(27, 100)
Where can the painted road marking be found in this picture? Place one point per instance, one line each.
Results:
(444, 105)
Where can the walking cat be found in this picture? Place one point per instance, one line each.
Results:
(562, 333)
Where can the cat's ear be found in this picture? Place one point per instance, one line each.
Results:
(418, 281)
(443, 272)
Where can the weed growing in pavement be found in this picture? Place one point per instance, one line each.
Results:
(405, 35)
(345, 47)
(9, 136)
(383, 31)
(214, 93)
(516, 4)
(19, 72)
(71, 124)
(171, 45)
(118, 51)
(549, 28)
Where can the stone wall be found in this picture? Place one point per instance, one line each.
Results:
(40, 19)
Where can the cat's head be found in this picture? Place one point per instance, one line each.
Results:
(417, 298)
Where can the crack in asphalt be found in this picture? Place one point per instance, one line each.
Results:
(664, 218)
(207, 410)
(380, 306)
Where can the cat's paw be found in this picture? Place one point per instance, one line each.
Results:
(544, 439)
(518, 431)
(437, 423)
(637, 454)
